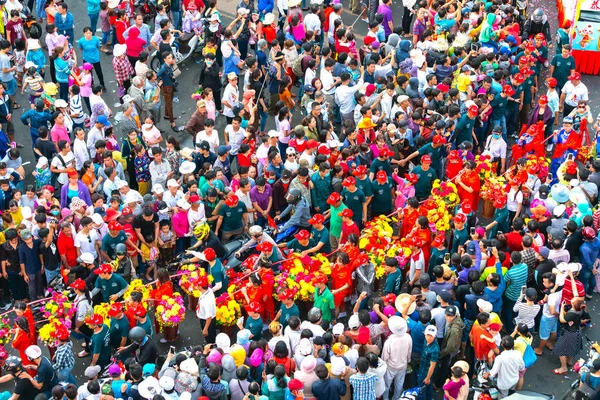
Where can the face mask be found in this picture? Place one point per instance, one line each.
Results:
(209, 63)
(165, 211)
(213, 28)
(495, 136)
(271, 181)
(286, 181)
(54, 212)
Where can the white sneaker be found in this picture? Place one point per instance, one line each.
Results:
(163, 340)
(342, 314)
(175, 99)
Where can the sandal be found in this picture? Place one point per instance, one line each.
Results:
(538, 354)
(83, 354)
(16, 106)
(557, 372)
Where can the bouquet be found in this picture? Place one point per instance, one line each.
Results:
(228, 310)
(283, 281)
(446, 191)
(436, 211)
(189, 280)
(170, 311)
(484, 167)
(493, 188)
(197, 95)
(59, 308)
(5, 328)
(3, 355)
(46, 333)
(102, 309)
(137, 285)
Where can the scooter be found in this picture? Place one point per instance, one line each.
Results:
(147, 9)
(30, 24)
(183, 47)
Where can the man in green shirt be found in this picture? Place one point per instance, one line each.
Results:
(393, 281)
(460, 235)
(288, 308)
(433, 150)
(100, 341)
(119, 327)
(300, 243)
(324, 299)
(362, 182)
(356, 200)
(319, 235)
(232, 218)
(335, 221)
(382, 189)
(254, 323)
(562, 66)
(321, 188)
(215, 268)
(426, 176)
(381, 163)
(112, 286)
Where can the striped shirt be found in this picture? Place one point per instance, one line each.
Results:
(364, 386)
(526, 312)
(515, 278)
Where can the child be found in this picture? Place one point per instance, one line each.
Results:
(166, 242)
(254, 322)
(19, 59)
(42, 173)
(105, 25)
(210, 47)
(33, 83)
(36, 56)
(150, 256)
(111, 142)
(191, 20)
(453, 385)
(161, 14)
(341, 282)
(141, 163)
(348, 225)
(124, 264)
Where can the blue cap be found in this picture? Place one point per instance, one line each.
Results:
(222, 150)
(567, 120)
(148, 370)
(309, 88)
(103, 120)
(510, 38)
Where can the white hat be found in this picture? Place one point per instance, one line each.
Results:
(318, 2)
(119, 49)
(353, 322)
(183, 204)
(122, 183)
(41, 162)
(60, 103)
(338, 365)
(215, 17)
(243, 11)
(338, 329)
(573, 182)
(26, 212)
(417, 57)
(172, 183)
(273, 133)
(269, 17)
(397, 325)
(223, 341)
(559, 210)
(131, 198)
(87, 258)
(485, 306)
(33, 352)
(290, 151)
(304, 347)
(190, 366)
(113, 3)
(431, 330)
(30, 64)
(334, 143)
(157, 188)
(149, 387)
(127, 99)
(32, 45)
(185, 395)
(294, 3)
(97, 219)
(187, 167)
(167, 383)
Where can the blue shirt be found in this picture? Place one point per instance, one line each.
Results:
(417, 333)
(30, 256)
(89, 49)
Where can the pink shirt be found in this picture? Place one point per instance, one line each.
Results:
(59, 133)
(181, 225)
(211, 109)
(86, 86)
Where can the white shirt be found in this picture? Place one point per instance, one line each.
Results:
(207, 306)
(327, 81)
(196, 216)
(58, 164)
(309, 75)
(574, 93)
(159, 172)
(332, 17)
(416, 265)
(94, 135)
(77, 108)
(171, 199)
(308, 157)
(235, 138)
(312, 22)
(230, 95)
(315, 329)
(245, 198)
(507, 367)
(293, 336)
(282, 6)
(514, 199)
(87, 243)
(553, 300)
(212, 139)
(344, 97)
(80, 151)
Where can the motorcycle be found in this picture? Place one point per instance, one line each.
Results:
(582, 366)
(147, 9)
(30, 24)
(183, 47)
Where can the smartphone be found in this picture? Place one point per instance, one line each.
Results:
(550, 176)
(499, 233)
(213, 346)
(447, 257)
(472, 230)
(172, 349)
(523, 288)
(570, 156)
(474, 47)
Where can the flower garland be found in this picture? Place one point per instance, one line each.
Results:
(190, 278)
(3, 354)
(493, 188)
(228, 310)
(171, 311)
(102, 309)
(5, 328)
(46, 333)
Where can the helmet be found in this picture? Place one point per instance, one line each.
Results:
(315, 315)
(13, 364)
(201, 230)
(538, 16)
(137, 334)
(588, 233)
(255, 230)
(293, 196)
(120, 249)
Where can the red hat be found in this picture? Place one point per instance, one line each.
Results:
(360, 170)
(362, 259)
(254, 307)
(381, 176)
(426, 159)
(530, 46)
(438, 241)
(414, 241)
(552, 82)
(194, 198)
(312, 144)
(333, 198)
(412, 178)
(474, 109)
(61, 333)
(232, 201)
(500, 202)
(78, 284)
(138, 310)
(385, 152)
(467, 208)
(316, 219)
(203, 280)
(209, 254)
(114, 226)
(104, 269)
(115, 309)
(49, 188)
(526, 71)
(296, 384)
(321, 278)
(111, 215)
(349, 181)
(523, 59)
(508, 90)
(368, 40)
(543, 99)
(364, 335)
(575, 76)
(94, 319)
(370, 89)
(567, 24)
(438, 139)
(302, 235)
(126, 211)
(460, 217)
(540, 36)
(390, 298)
(346, 212)
(324, 150)
(453, 155)
(532, 59)
(286, 294)
(72, 173)
(495, 327)
(264, 246)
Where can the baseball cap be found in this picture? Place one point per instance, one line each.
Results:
(431, 330)
(103, 120)
(445, 296)
(92, 371)
(451, 311)
(544, 191)
(222, 150)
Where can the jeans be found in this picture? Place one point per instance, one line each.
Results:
(39, 8)
(51, 274)
(511, 114)
(394, 377)
(65, 375)
(94, 22)
(64, 91)
(589, 280)
(426, 392)
(509, 314)
(17, 286)
(263, 116)
(36, 287)
(502, 122)
(105, 37)
(176, 19)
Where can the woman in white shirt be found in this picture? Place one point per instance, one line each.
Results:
(515, 200)
(83, 305)
(495, 146)
(150, 133)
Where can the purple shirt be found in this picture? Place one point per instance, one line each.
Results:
(453, 387)
(387, 17)
(262, 199)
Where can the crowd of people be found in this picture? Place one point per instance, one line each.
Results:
(384, 110)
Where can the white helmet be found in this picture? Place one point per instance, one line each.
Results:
(33, 352)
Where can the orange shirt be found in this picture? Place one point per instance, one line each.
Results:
(482, 347)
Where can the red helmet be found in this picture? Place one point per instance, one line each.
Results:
(588, 233)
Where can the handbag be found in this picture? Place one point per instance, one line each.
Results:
(529, 356)
(176, 72)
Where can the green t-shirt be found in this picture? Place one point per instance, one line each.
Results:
(219, 276)
(435, 154)
(562, 68)
(286, 313)
(392, 282)
(464, 130)
(109, 243)
(255, 327)
(425, 182)
(354, 201)
(147, 326)
(335, 221)
(529, 82)
(101, 345)
(378, 165)
(324, 301)
(365, 186)
(459, 237)
(382, 196)
(321, 236)
(232, 217)
(110, 286)
(119, 329)
(297, 247)
(218, 185)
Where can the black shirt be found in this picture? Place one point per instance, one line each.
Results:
(214, 243)
(146, 227)
(24, 388)
(11, 256)
(51, 256)
(46, 147)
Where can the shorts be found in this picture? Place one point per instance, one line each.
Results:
(547, 326)
(11, 87)
(467, 329)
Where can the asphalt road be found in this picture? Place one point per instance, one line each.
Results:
(538, 378)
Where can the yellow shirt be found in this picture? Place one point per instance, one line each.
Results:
(462, 83)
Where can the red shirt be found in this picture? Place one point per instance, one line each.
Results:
(347, 230)
(567, 292)
(514, 241)
(131, 235)
(481, 346)
(243, 161)
(66, 246)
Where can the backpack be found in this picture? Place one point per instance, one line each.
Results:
(297, 66)
(529, 356)
(585, 391)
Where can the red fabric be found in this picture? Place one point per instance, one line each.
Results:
(21, 342)
(586, 62)
(341, 275)
(243, 161)
(270, 33)
(120, 27)
(409, 220)
(481, 346)
(162, 289)
(66, 247)
(268, 280)
(131, 235)
(425, 236)
(453, 168)
(347, 230)
(567, 292)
